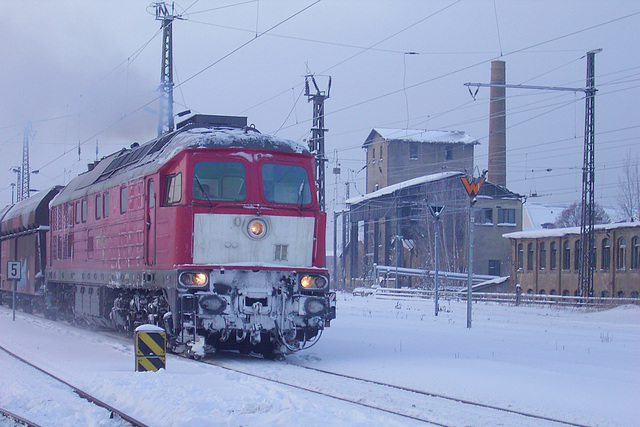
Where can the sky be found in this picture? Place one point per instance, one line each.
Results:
(566, 363)
(87, 73)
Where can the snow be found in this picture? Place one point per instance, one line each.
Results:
(149, 328)
(576, 365)
(404, 184)
(561, 232)
(421, 135)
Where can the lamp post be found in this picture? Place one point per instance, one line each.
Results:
(436, 211)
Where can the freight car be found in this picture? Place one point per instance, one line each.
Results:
(212, 232)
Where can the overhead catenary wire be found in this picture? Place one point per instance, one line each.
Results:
(185, 81)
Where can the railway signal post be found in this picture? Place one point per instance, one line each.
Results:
(436, 211)
(473, 187)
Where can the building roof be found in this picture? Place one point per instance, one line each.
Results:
(561, 232)
(537, 216)
(422, 136)
(489, 189)
(401, 185)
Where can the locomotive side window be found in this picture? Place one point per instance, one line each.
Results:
(152, 195)
(84, 210)
(105, 205)
(286, 184)
(173, 189)
(219, 181)
(123, 199)
(98, 206)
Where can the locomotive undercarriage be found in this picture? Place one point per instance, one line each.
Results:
(249, 312)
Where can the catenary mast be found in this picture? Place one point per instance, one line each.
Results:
(165, 110)
(316, 144)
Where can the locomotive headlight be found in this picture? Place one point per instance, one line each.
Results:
(193, 278)
(200, 279)
(257, 228)
(313, 282)
(307, 282)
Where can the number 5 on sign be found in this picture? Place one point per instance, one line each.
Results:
(13, 270)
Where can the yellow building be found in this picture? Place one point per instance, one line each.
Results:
(547, 261)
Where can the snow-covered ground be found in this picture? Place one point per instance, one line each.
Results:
(570, 364)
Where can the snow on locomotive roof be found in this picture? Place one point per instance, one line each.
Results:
(227, 137)
(145, 159)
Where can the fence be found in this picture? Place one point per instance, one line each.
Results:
(503, 298)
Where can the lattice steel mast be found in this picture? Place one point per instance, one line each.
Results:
(316, 144)
(24, 173)
(587, 255)
(165, 109)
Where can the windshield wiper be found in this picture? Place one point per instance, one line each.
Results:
(204, 193)
(300, 191)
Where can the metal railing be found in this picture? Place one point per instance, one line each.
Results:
(504, 298)
(386, 271)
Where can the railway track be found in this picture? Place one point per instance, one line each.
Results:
(114, 412)
(538, 418)
(16, 419)
(411, 404)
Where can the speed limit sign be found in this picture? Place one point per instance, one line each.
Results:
(13, 270)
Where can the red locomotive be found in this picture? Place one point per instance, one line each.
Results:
(212, 232)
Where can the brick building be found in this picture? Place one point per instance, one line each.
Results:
(546, 261)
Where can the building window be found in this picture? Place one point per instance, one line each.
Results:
(494, 267)
(566, 255)
(605, 262)
(381, 154)
(593, 253)
(520, 256)
(123, 199)
(373, 155)
(543, 255)
(506, 216)
(448, 154)
(483, 216)
(576, 256)
(413, 151)
(635, 252)
(553, 256)
(78, 212)
(530, 256)
(622, 253)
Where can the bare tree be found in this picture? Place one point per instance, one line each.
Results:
(629, 186)
(572, 216)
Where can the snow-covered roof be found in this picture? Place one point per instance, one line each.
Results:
(404, 184)
(560, 232)
(536, 214)
(148, 158)
(421, 135)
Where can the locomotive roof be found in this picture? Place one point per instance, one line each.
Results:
(147, 158)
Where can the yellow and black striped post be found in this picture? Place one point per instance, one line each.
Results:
(151, 348)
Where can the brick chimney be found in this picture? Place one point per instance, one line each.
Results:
(497, 127)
